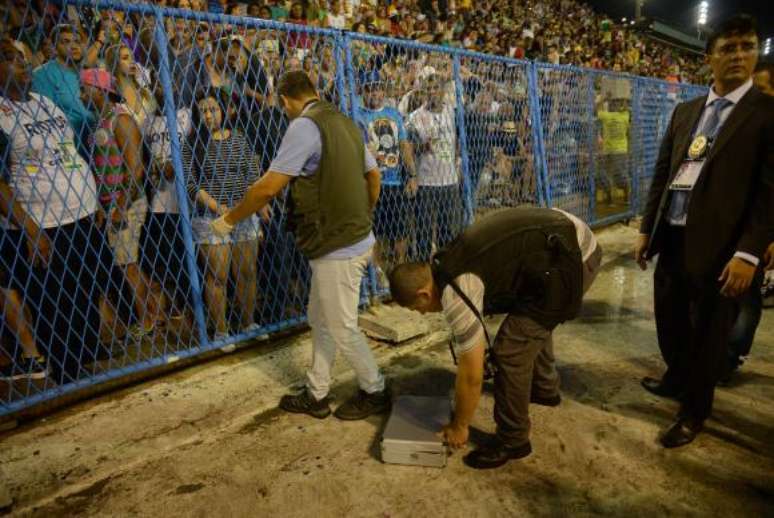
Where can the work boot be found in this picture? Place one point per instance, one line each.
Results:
(496, 455)
(545, 400)
(305, 403)
(364, 404)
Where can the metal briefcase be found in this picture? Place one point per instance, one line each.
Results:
(410, 436)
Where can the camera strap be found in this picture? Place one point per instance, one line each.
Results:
(488, 365)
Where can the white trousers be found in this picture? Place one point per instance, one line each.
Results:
(333, 312)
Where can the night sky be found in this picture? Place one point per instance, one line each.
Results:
(683, 13)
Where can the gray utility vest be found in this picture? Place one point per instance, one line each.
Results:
(528, 259)
(329, 210)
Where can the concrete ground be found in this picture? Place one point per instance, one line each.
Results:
(208, 440)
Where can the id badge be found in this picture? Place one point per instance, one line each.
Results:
(687, 175)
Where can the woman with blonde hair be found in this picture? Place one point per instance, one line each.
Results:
(132, 83)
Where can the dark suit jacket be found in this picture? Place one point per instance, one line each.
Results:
(732, 204)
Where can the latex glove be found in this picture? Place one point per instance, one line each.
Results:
(220, 228)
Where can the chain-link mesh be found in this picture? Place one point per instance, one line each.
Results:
(126, 129)
(500, 144)
(655, 100)
(406, 104)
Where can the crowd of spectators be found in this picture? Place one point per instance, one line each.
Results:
(554, 31)
(87, 158)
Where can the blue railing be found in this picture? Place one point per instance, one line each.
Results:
(485, 131)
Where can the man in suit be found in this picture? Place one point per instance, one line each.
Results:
(709, 217)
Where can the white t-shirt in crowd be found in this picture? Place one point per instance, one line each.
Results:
(157, 137)
(337, 21)
(438, 165)
(49, 178)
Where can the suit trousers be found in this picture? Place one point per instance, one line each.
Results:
(693, 322)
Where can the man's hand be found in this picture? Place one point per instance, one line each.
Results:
(455, 435)
(220, 227)
(265, 213)
(737, 277)
(39, 249)
(412, 187)
(640, 248)
(768, 258)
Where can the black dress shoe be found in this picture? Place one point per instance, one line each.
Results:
(546, 401)
(496, 455)
(681, 432)
(659, 388)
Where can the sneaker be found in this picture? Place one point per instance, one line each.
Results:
(26, 368)
(138, 331)
(496, 455)
(305, 403)
(254, 327)
(229, 348)
(364, 404)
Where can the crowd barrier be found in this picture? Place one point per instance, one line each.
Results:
(134, 281)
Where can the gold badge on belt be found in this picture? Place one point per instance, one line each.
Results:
(698, 147)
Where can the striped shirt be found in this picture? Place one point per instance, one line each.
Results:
(228, 167)
(466, 328)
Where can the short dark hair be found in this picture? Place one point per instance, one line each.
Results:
(406, 279)
(737, 25)
(296, 85)
(62, 28)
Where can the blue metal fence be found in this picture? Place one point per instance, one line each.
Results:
(456, 134)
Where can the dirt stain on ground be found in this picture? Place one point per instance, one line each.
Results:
(261, 420)
(188, 488)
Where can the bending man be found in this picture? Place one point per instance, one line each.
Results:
(535, 265)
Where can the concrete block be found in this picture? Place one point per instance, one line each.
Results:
(392, 323)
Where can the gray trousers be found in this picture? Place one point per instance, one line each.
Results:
(524, 356)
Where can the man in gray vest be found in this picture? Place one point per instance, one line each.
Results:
(334, 185)
(534, 264)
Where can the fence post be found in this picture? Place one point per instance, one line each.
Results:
(636, 143)
(339, 48)
(462, 135)
(371, 283)
(177, 163)
(541, 166)
(592, 151)
(350, 71)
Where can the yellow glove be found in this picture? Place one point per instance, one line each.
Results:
(220, 228)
